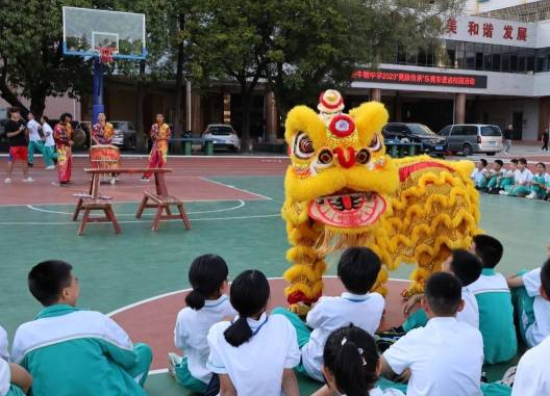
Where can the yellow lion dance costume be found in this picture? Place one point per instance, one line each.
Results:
(343, 190)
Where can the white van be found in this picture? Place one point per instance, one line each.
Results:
(473, 138)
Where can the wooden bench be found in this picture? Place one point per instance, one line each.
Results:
(163, 204)
(90, 204)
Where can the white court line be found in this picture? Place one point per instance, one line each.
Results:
(15, 223)
(235, 188)
(240, 205)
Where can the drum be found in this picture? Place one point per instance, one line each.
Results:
(105, 157)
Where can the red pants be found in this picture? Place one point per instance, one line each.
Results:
(157, 160)
(18, 153)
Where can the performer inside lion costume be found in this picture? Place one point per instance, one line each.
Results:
(343, 190)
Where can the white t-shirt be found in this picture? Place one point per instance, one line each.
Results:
(533, 372)
(192, 329)
(5, 377)
(539, 330)
(331, 313)
(523, 177)
(470, 312)
(478, 176)
(256, 367)
(4, 345)
(445, 358)
(33, 128)
(48, 133)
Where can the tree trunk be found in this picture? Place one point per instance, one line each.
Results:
(179, 86)
(246, 99)
(141, 137)
(38, 104)
(9, 96)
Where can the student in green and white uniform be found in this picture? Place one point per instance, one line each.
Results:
(207, 304)
(481, 174)
(522, 181)
(14, 380)
(507, 178)
(539, 182)
(73, 352)
(496, 175)
(491, 291)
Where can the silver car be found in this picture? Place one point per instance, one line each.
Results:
(473, 138)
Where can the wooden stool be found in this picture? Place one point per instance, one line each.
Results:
(89, 204)
(163, 204)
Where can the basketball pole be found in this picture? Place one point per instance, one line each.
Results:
(98, 106)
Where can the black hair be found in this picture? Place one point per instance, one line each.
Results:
(358, 269)
(499, 162)
(13, 110)
(489, 250)
(483, 161)
(249, 296)
(514, 161)
(206, 275)
(542, 164)
(465, 266)
(545, 277)
(443, 293)
(522, 161)
(350, 355)
(65, 115)
(45, 118)
(47, 280)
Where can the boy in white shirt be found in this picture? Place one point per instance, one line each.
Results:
(522, 179)
(495, 177)
(533, 371)
(467, 268)
(446, 356)
(36, 141)
(207, 304)
(481, 174)
(532, 309)
(358, 270)
(49, 153)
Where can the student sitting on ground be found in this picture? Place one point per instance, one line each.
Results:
(538, 183)
(495, 176)
(467, 268)
(533, 372)
(14, 379)
(532, 309)
(256, 353)
(507, 178)
(207, 304)
(522, 178)
(358, 270)
(491, 291)
(73, 352)
(351, 365)
(481, 174)
(445, 357)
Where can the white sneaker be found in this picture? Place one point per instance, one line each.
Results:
(28, 180)
(173, 361)
(113, 181)
(503, 192)
(7, 180)
(144, 180)
(51, 167)
(532, 196)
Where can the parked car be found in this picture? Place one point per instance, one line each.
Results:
(125, 134)
(416, 133)
(473, 138)
(223, 136)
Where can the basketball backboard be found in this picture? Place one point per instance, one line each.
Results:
(86, 30)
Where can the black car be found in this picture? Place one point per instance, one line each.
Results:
(416, 133)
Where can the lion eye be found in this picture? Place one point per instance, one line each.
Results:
(325, 157)
(362, 157)
(303, 146)
(375, 144)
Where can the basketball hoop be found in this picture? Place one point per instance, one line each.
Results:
(105, 54)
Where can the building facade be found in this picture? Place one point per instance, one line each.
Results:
(483, 69)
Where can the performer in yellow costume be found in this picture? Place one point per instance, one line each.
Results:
(343, 190)
(160, 135)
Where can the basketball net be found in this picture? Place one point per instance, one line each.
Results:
(105, 54)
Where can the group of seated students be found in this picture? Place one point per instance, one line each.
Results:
(233, 346)
(516, 180)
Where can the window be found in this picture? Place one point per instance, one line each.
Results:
(445, 131)
(470, 130)
(490, 130)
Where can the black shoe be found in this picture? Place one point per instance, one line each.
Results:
(31, 165)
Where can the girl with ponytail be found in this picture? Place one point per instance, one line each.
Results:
(351, 365)
(256, 353)
(207, 304)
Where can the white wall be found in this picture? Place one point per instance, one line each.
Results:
(473, 6)
(500, 112)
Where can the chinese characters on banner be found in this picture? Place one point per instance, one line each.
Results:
(420, 78)
(476, 28)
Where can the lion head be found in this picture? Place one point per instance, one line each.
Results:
(340, 175)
